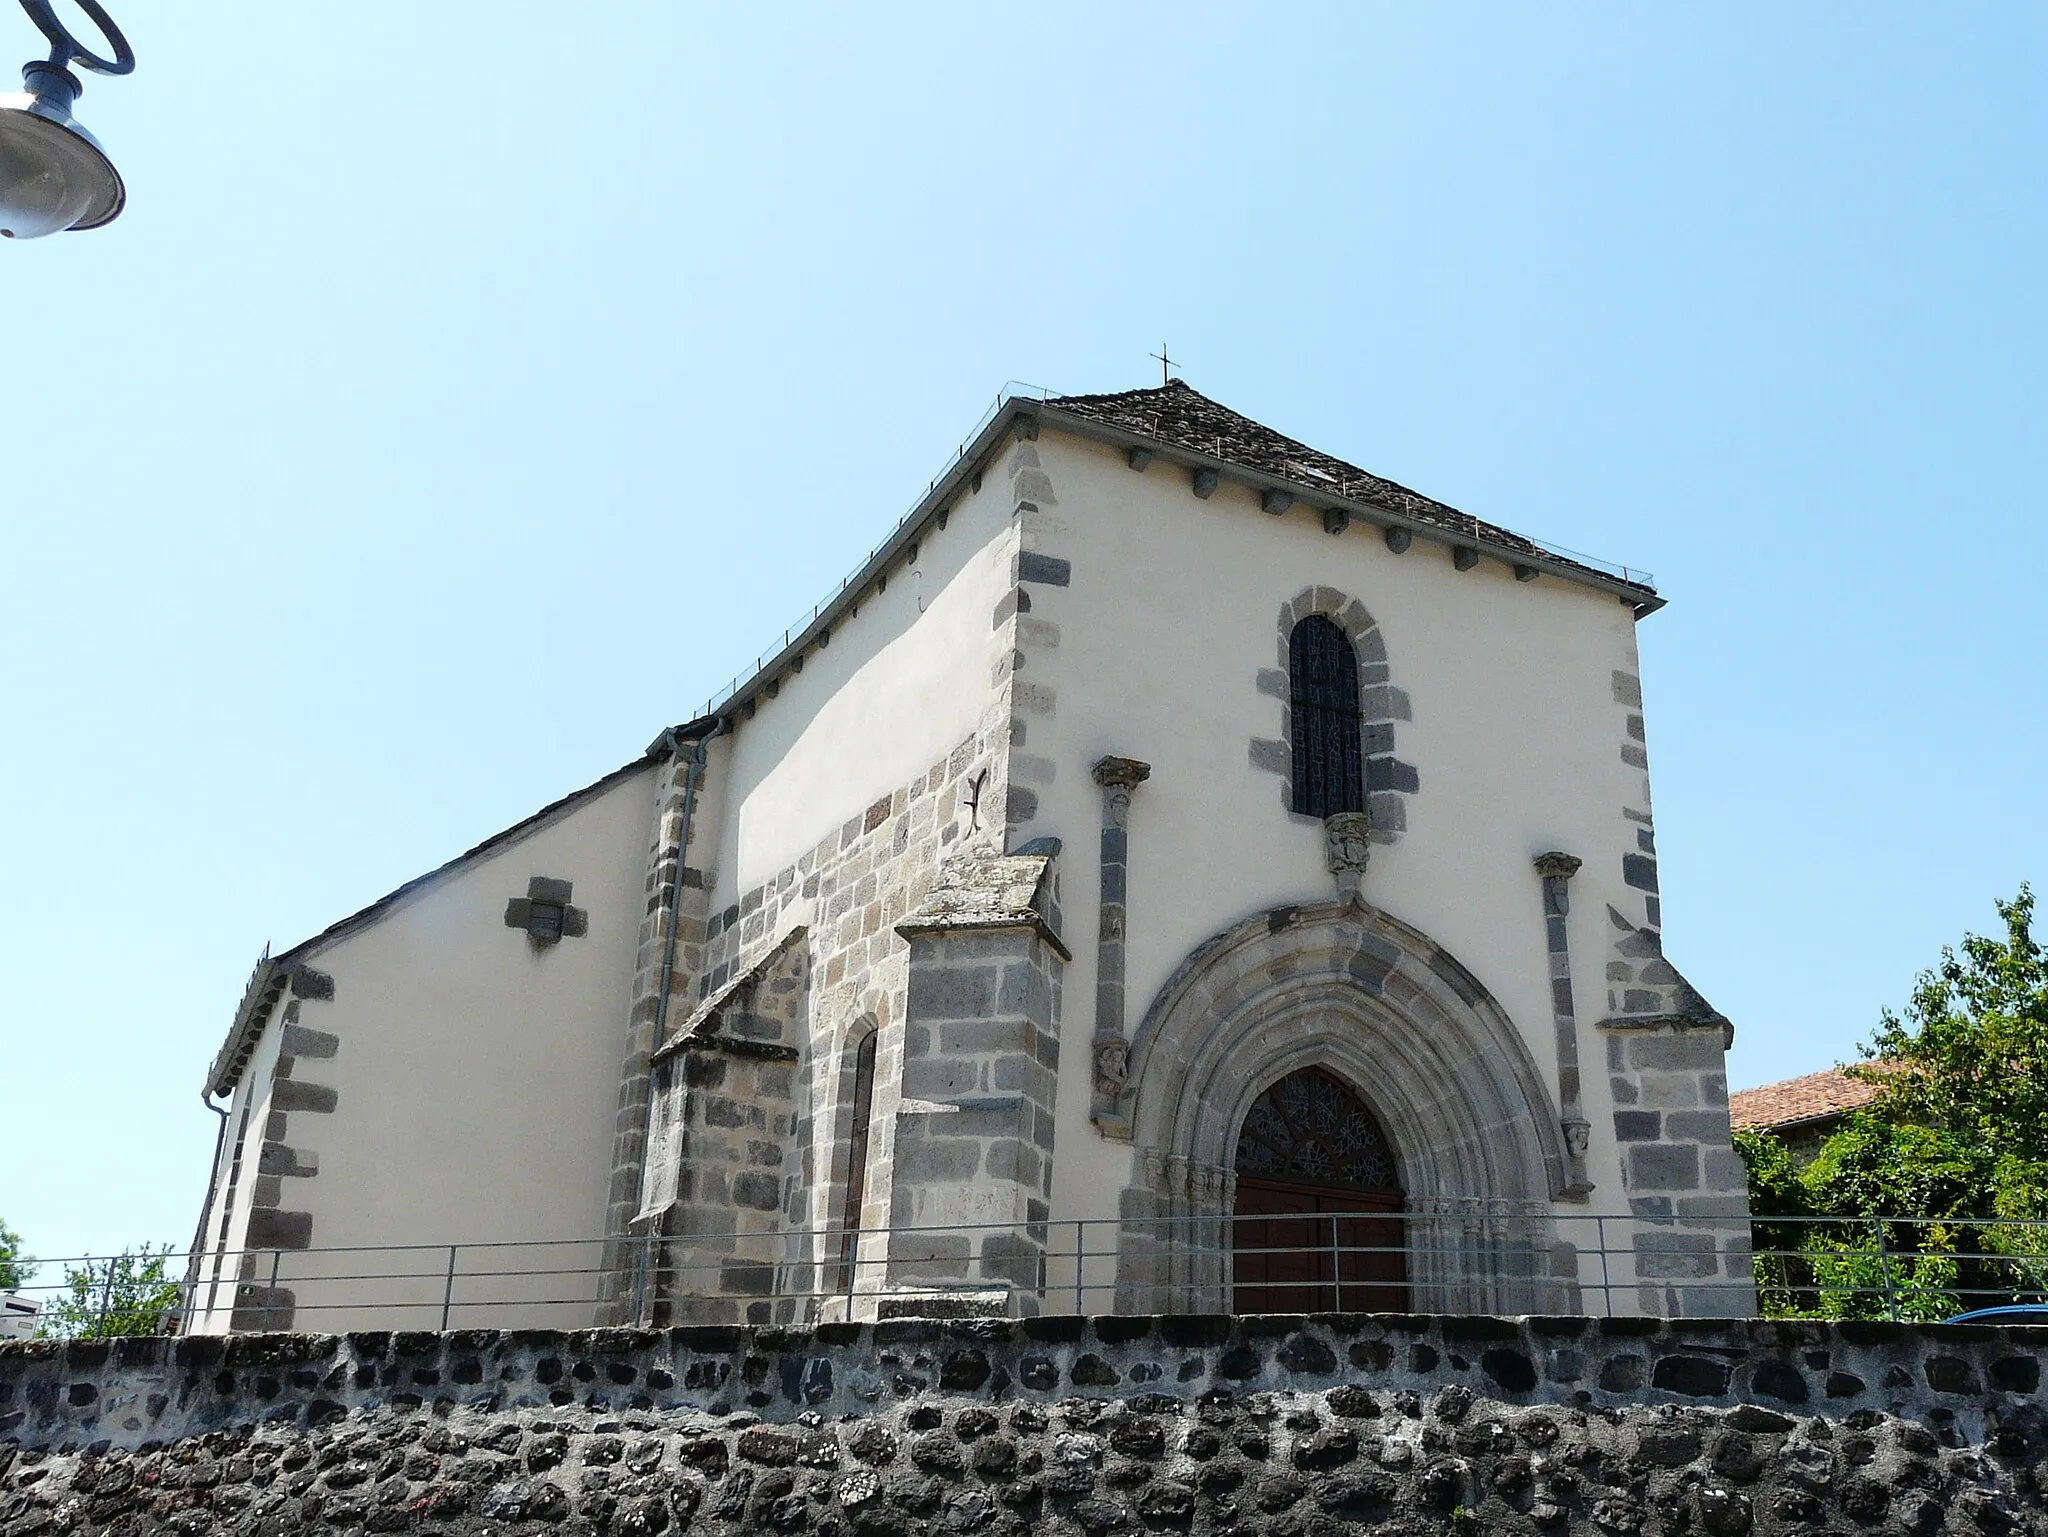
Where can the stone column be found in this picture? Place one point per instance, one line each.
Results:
(972, 1178)
(1557, 869)
(1110, 1051)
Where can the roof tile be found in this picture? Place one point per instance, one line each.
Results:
(1180, 415)
(1794, 1101)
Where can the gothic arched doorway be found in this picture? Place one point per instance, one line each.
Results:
(1314, 1175)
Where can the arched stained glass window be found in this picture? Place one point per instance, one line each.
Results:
(1322, 695)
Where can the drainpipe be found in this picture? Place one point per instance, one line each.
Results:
(220, 1140)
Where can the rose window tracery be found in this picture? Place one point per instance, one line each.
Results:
(1310, 1127)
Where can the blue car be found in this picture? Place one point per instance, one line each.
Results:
(2011, 1313)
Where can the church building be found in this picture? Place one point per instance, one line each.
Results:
(1180, 871)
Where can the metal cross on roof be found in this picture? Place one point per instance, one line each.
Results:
(1165, 363)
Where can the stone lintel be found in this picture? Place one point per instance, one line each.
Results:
(916, 927)
(765, 1051)
(1643, 1024)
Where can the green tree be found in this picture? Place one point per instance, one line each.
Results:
(127, 1293)
(1958, 1130)
(1971, 1061)
(15, 1265)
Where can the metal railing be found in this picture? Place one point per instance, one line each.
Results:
(1478, 1261)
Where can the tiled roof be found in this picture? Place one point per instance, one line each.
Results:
(1181, 415)
(1795, 1101)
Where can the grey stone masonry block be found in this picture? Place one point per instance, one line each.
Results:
(1736, 1206)
(1723, 1169)
(1045, 570)
(992, 1036)
(922, 1159)
(1639, 871)
(1391, 774)
(291, 1094)
(1638, 1126)
(1024, 990)
(1034, 698)
(1384, 702)
(308, 983)
(1271, 756)
(1628, 689)
(1700, 1049)
(270, 1228)
(1668, 1091)
(1663, 1166)
(1697, 1125)
(952, 992)
(1664, 1255)
(302, 1042)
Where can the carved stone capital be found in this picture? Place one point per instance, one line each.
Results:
(1121, 773)
(1558, 866)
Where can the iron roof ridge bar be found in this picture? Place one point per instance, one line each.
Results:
(1640, 593)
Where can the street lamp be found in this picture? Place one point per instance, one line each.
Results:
(53, 174)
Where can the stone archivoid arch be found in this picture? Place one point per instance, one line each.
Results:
(1344, 986)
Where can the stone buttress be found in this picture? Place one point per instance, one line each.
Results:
(974, 1131)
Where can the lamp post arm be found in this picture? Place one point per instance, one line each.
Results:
(65, 48)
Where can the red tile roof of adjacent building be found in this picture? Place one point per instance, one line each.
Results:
(1797, 1101)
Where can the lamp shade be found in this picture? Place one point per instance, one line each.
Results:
(53, 176)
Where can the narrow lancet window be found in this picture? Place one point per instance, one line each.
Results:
(857, 1156)
(1322, 672)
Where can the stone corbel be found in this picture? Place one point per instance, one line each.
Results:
(1556, 869)
(1347, 842)
(1110, 1050)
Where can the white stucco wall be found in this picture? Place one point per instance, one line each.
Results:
(903, 681)
(1171, 613)
(476, 1077)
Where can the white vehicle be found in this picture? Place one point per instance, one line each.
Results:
(18, 1316)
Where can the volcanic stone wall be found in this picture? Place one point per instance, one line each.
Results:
(1112, 1427)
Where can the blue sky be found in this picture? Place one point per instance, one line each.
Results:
(469, 389)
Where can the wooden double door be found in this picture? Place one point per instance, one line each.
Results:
(1317, 1226)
